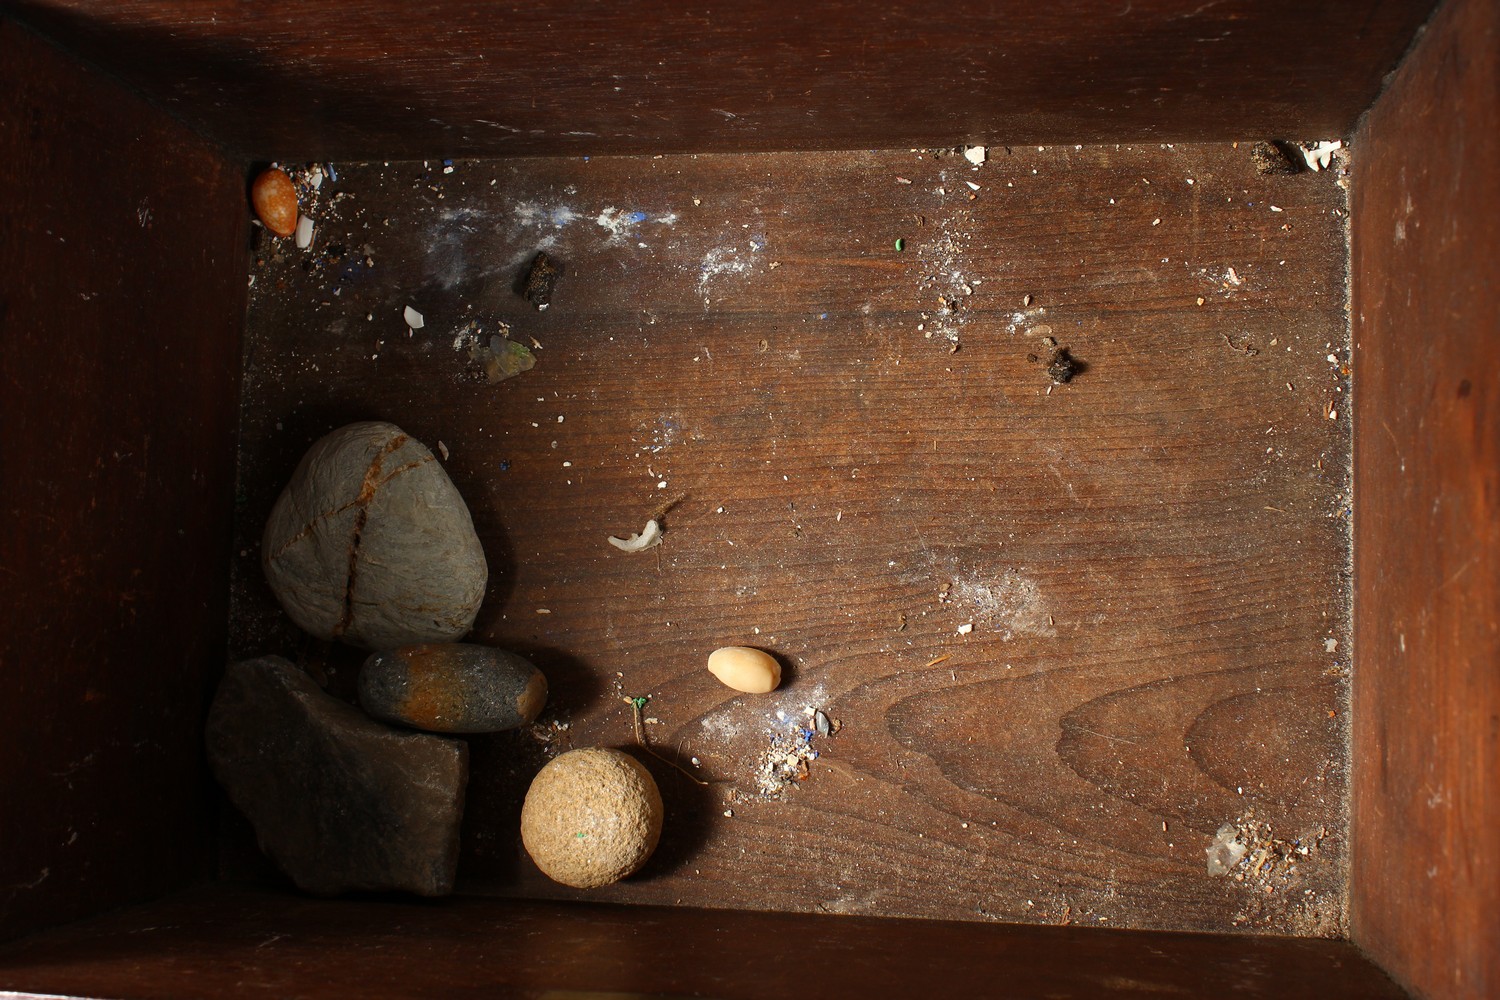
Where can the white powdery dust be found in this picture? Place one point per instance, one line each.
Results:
(1010, 605)
(1026, 319)
(723, 725)
(532, 215)
(720, 261)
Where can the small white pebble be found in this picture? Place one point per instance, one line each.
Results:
(972, 185)
(443, 450)
(304, 232)
(966, 628)
(975, 155)
(1329, 645)
(729, 813)
(661, 485)
(1156, 222)
(413, 318)
(567, 465)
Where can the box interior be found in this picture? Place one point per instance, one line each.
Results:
(1069, 630)
(1154, 557)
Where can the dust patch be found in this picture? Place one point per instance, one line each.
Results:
(1011, 605)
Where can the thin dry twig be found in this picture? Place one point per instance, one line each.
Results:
(636, 704)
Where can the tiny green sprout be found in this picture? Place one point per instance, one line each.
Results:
(639, 703)
(580, 836)
(900, 245)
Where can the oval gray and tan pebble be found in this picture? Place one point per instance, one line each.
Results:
(451, 687)
(591, 817)
(745, 668)
(371, 543)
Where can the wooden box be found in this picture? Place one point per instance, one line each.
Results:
(1240, 571)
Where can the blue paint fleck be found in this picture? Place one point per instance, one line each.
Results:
(757, 245)
(333, 174)
(822, 315)
(504, 465)
(636, 218)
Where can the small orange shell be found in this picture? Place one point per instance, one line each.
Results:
(275, 200)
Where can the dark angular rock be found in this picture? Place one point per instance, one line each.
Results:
(452, 688)
(337, 801)
(1271, 158)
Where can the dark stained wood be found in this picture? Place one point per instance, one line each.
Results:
(122, 257)
(1426, 880)
(1153, 557)
(460, 78)
(230, 941)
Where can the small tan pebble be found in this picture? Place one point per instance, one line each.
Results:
(591, 817)
(275, 201)
(744, 668)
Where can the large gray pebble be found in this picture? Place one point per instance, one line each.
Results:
(371, 543)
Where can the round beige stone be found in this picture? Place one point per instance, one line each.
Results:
(591, 817)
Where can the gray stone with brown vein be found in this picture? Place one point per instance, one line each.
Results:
(372, 544)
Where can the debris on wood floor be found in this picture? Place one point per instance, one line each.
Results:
(649, 537)
(501, 358)
(541, 278)
(786, 762)
(1270, 159)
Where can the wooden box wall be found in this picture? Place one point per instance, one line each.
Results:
(104, 763)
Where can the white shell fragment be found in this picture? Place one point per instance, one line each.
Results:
(650, 536)
(1321, 155)
(1225, 850)
(975, 155)
(413, 318)
(304, 232)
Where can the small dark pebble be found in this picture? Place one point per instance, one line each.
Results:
(1269, 158)
(1062, 366)
(540, 280)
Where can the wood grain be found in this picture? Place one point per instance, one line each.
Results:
(229, 941)
(1153, 557)
(1427, 695)
(380, 80)
(122, 257)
